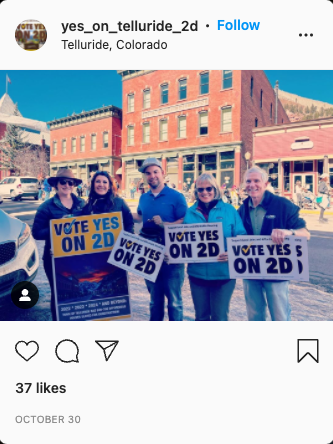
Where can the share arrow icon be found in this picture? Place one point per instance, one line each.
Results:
(107, 347)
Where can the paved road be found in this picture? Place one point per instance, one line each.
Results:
(320, 246)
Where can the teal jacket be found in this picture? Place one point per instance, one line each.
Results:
(232, 226)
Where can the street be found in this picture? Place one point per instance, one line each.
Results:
(309, 301)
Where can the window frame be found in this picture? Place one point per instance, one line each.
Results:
(181, 118)
(226, 79)
(145, 91)
(93, 141)
(162, 93)
(105, 133)
(160, 132)
(201, 84)
(223, 110)
(63, 147)
(82, 145)
(145, 135)
(180, 88)
(130, 128)
(55, 147)
(130, 104)
(201, 114)
(73, 145)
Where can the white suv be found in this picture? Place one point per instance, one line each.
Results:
(19, 259)
(18, 187)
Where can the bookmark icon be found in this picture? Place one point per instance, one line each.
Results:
(107, 347)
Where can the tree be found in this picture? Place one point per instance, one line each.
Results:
(11, 145)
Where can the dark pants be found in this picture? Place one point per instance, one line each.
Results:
(211, 303)
(49, 274)
(169, 283)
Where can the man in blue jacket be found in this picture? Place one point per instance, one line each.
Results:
(264, 213)
(161, 205)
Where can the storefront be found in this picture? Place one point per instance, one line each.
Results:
(299, 151)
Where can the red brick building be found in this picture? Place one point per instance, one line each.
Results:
(295, 151)
(87, 142)
(194, 121)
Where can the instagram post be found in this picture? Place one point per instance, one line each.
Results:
(180, 192)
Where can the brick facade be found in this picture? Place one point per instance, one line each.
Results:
(97, 135)
(187, 154)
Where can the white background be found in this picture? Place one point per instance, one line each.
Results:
(179, 382)
(276, 45)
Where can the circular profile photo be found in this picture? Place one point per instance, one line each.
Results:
(30, 35)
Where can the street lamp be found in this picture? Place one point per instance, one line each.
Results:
(247, 156)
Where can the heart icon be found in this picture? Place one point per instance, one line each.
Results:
(27, 350)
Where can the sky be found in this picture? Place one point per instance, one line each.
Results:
(46, 95)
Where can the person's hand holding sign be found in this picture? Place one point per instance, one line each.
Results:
(222, 257)
(279, 235)
(157, 220)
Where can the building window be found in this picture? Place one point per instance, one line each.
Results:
(261, 98)
(73, 145)
(226, 118)
(105, 139)
(146, 132)
(82, 144)
(182, 92)
(256, 123)
(204, 83)
(271, 112)
(163, 136)
(203, 123)
(63, 147)
(251, 87)
(146, 98)
(303, 166)
(227, 160)
(181, 127)
(130, 103)
(227, 79)
(55, 148)
(130, 135)
(286, 174)
(93, 142)
(164, 94)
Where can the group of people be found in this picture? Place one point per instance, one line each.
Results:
(323, 199)
(262, 213)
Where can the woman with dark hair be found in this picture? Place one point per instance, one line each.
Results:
(103, 198)
(210, 283)
(63, 204)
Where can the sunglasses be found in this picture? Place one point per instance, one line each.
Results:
(64, 181)
(201, 190)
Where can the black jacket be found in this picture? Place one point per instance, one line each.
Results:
(53, 209)
(104, 205)
(280, 213)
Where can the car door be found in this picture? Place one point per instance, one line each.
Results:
(4, 188)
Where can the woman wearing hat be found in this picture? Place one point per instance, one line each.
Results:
(324, 193)
(103, 199)
(63, 204)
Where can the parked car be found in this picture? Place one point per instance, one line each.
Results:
(19, 258)
(1, 200)
(18, 187)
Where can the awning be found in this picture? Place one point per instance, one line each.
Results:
(119, 171)
(103, 162)
(91, 162)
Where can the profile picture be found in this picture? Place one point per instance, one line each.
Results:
(30, 35)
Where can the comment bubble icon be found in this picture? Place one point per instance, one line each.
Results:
(67, 351)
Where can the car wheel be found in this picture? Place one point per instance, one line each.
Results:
(36, 197)
(12, 196)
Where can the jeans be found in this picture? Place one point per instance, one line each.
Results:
(49, 274)
(169, 282)
(211, 303)
(40, 194)
(47, 195)
(260, 293)
(132, 194)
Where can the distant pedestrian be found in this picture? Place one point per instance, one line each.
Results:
(324, 194)
(47, 189)
(40, 188)
(132, 187)
(298, 192)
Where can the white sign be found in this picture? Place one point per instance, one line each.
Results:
(194, 242)
(257, 257)
(138, 255)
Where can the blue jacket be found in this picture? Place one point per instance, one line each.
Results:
(232, 226)
(280, 213)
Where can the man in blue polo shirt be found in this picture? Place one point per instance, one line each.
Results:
(160, 206)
